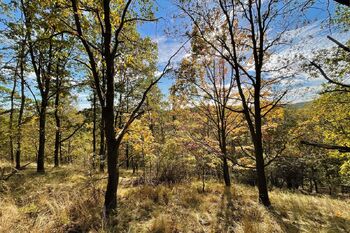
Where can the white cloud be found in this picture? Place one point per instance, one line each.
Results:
(303, 45)
(311, 38)
(31, 76)
(167, 47)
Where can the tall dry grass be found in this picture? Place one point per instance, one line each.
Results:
(58, 201)
(70, 200)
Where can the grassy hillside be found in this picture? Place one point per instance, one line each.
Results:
(70, 200)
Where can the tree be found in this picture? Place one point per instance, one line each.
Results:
(209, 87)
(61, 87)
(15, 32)
(333, 65)
(12, 99)
(222, 24)
(22, 64)
(112, 23)
(43, 49)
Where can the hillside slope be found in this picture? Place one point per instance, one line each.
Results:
(69, 200)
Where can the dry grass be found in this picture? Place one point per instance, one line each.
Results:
(311, 213)
(69, 200)
(59, 199)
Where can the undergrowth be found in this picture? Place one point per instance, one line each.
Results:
(70, 200)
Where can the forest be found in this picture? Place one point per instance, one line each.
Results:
(172, 116)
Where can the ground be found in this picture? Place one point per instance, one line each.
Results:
(69, 199)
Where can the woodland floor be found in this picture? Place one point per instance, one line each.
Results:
(68, 199)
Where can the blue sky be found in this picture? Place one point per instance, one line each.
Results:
(306, 41)
(162, 32)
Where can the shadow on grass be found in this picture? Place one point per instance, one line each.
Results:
(227, 215)
(287, 226)
(309, 221)
(29, 180)
(338, 224)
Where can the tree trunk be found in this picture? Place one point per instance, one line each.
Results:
(57, 144)
(11, 117)
(42, 139)
(94, 131)
(144, 164)
(316, 186)
(58, 124)
(109, 117)
(133, 165)
(68, 158)
(258, 144)
(127, 156)
(21, 110)
(61, 154)
(260, 169)
(112, 185)
(223, 143)
(311, 186)
(112, 158)
(226, 172)
(102, 146)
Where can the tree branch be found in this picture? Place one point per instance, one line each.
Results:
(326, 76)
(343, 2)
(341, 149)
(347, 49)
(72, 134)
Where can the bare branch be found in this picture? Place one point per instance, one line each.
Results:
(343, 2)
(341, 149)
(347, 49)
(326, 76)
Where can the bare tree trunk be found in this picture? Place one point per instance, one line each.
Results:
(127, 155)
(11, 117)
(58, 121)
(316, 186)
(133, 164)
(112, 157)
(311, 186)
(42, 139)
(108, 114)
(144, 164)
(258, 144)
(261, 177)
(69, 158)
(226, 172)
(109, 121)
(127, 152)
(102, 146)
(94, 130)
(61, 155)
(21, 110)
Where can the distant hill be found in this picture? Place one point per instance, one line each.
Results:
(299, 104)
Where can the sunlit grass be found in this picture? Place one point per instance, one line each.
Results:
(71, 199)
